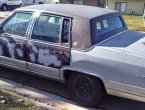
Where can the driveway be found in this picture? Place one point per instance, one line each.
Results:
(3, 14)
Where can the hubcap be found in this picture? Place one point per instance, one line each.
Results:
(84, 87)
(4, 8)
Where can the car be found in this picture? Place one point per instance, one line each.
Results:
(34, 2)
(7, 4)
(88, 48)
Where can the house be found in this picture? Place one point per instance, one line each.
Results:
(127, 6)
(100, 3)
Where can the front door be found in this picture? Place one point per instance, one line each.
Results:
(48, 45)
(13, 40)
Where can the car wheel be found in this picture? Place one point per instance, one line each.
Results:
(4, 7)
(85, 90)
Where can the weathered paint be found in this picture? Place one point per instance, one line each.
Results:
(47, 55)
(32, 52)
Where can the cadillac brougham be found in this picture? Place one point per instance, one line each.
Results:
(89, 48)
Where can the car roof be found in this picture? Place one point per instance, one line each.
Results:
(71, 10)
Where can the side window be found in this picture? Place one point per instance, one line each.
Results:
(65, 31)
(17, 24)
(47, 28)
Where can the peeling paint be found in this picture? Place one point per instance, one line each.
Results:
(11, 49)
(38, 53)
(32, 57)
(20, 52)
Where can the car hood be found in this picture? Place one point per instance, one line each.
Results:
(129, 41)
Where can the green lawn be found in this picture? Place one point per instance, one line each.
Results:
(134, 22)
(14, 103)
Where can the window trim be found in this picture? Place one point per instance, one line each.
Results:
(94, 37)
(60, 33)
(69, 34)
(7, 19)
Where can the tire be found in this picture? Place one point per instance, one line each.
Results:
(85, 90)
(4, 7)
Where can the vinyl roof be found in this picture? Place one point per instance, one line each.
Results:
(72, 10)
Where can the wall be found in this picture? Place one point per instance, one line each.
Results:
(91, 2)
(86, 2)
(137, 6)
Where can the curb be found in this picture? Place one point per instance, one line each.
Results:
(38, 97)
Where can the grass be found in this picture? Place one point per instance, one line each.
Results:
(1, 17)
(134, 22)
(13, 103)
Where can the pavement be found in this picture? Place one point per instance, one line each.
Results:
(4, 14)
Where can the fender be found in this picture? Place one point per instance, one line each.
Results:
(80, 70)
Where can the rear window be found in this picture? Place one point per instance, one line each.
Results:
(107, 25)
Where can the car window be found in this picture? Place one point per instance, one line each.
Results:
(17, 24)
(107, 25)
(47, 28)
(65, 31)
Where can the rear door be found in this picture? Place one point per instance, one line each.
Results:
(48, 45)
(13, 40)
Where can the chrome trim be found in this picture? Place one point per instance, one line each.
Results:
(9, 17)
(32, 27)
(126, 95)
(54, 69)
(13, 62)
(15, 36)
(46, 42)
(44, 11)
(14, 67)
(70, 29)
(31, 72)
(126, 88)
(60, 32)
(36, 15)
(140, 76)
(49, 69)
(98, 44)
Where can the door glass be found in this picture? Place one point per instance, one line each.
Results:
(17, 24)
(47, 28)
(65, 31)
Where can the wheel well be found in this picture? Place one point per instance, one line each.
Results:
(4, 4)
(68, 72)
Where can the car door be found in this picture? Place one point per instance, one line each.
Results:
(48, 45)
(13, 40)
